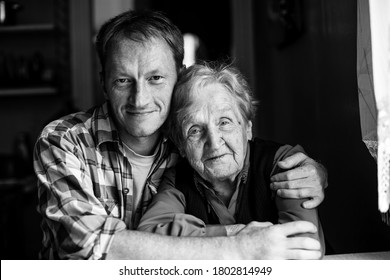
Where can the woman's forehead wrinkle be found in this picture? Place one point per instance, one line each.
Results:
(195, 114)
(205, 105)
(206, 111)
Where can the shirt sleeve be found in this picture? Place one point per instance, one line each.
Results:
(291, 209)
(75, 224)
(166, 214)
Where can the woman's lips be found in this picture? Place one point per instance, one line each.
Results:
(215, 157)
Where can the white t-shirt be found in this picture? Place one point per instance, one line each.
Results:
(140, 169)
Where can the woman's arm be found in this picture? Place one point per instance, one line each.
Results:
(166, 214)
(300, 176)
(291, 209)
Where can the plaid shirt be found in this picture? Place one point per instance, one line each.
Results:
(85, 184)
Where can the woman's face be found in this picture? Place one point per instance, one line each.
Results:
(215, 134)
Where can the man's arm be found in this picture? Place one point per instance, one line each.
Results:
(76, 225)
(304, 178)
(255, 241)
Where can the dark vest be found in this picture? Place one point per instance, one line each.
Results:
(255, 201)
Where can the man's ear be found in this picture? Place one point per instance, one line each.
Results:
(249, 130)
(183, 67)
(102, 83)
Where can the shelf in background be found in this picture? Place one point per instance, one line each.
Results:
(28, 91)
(27, 28)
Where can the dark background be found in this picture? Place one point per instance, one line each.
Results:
(305, 78)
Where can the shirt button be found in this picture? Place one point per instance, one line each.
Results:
(126, 191)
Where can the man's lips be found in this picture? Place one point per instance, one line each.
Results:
(140, 113)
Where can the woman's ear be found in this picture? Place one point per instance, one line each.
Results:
(182, 152)
(249, 130)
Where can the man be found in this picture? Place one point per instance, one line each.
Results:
(98, 170)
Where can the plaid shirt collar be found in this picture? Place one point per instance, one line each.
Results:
(103, 126)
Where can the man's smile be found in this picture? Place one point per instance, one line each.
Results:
(141, 113)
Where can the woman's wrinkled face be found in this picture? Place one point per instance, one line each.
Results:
(215, 134)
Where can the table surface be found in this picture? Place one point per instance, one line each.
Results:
(360, 256)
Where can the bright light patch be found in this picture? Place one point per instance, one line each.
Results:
(191, 44)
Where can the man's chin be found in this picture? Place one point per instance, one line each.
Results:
(143, 133)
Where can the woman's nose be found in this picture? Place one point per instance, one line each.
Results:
(214, 138)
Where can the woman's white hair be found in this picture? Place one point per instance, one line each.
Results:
(198, 76)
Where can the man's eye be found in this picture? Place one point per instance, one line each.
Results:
(156, 79)
(122, 81)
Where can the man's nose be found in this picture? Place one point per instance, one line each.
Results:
(140, 95)
(214, 138)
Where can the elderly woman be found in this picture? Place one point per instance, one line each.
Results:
(223, 182)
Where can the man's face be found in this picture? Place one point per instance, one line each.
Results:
(215, 134)
(138, 81)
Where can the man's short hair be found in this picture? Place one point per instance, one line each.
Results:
(140, 26)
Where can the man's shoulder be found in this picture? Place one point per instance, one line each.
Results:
(74, 123)
(280, 150)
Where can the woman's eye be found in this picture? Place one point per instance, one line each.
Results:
(194, 131)
(224, 122)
